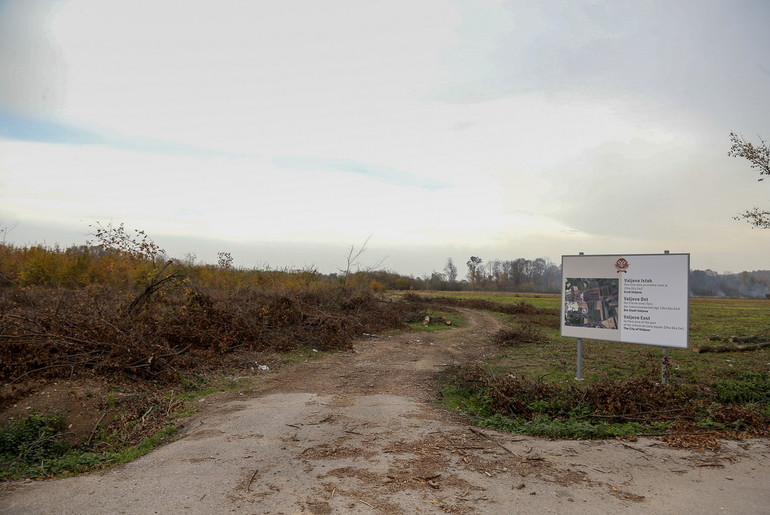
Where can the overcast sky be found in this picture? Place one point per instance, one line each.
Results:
(285, 132)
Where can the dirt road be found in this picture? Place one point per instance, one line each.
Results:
(358, 432)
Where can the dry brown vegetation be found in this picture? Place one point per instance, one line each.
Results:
(119, 309)
(47, 333)
(701, 413)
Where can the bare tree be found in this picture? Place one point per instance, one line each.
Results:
(353, 256)
(759, 157)
(4, 230)
(352, 261)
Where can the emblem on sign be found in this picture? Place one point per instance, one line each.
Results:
(621, 265)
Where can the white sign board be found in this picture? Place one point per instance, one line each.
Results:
(633, 298)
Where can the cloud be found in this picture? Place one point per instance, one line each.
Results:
(242, 197)
(238, 75)
(505, 129)
(33, 69)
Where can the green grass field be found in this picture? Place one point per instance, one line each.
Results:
(556, 357)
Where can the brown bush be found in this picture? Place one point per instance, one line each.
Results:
(639, 400)
(48, 332)
(521, 333)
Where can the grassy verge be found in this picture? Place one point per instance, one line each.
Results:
(35, 447)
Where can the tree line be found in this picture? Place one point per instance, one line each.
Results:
(541, 275)
(82, 265)
(538, 275)
(708, 283)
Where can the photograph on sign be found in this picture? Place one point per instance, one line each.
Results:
(633, 298)
(591, 303)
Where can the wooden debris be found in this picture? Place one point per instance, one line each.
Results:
(364, 502)
(729, 348)
(429, 320)
(484, 435)
(634, 448)
(248, 486)
(625, 495)
(734, 339)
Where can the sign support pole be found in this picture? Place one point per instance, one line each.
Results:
(579, 375)
(664, 360)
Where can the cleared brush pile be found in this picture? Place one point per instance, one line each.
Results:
(522, 333)
(612, 408)
(47, 333)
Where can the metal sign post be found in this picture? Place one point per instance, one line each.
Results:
(664, 361)
(579, 375)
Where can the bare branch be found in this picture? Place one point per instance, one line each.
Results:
(755, 217)
(759, 157)
(353, 255)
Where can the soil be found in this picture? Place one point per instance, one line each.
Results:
(360, 432)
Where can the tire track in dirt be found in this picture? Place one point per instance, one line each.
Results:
(404, 363)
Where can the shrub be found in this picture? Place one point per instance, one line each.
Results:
(521, 333)
(31, 440)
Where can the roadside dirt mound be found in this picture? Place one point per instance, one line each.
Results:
(358, 432)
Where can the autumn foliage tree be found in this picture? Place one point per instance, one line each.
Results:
(759, 157)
